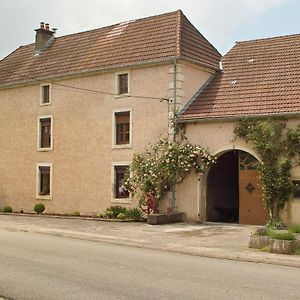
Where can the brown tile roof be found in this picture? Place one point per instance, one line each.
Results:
(259, 77)
(153, 39)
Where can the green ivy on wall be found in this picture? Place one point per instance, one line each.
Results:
(279, 149)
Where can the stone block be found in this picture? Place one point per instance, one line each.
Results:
(258, 241)
(159, 219)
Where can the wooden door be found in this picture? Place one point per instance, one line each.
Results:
(251, 210)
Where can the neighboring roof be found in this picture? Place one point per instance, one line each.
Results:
(259, 77)
(149, 40)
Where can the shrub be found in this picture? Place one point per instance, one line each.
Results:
(260, 231)
(295, 228)
(39, 208)
(76, 214)
(134, 213)
(275, 225)
(116, 210)
(7, 209)
(108, 213)
(121, 216)
(281, 235)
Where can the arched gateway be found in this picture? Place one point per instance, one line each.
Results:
(234, 194)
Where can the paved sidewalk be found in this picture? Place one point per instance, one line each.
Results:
(224, 241)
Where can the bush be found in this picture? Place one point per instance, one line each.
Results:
(295, 228)
(275, 225)
(7, 209)
(121, 216)
(116, 210)
(281, 235)
(260, 231)
(39, 208)
(134, 213)
(108, 213)
(76, 213)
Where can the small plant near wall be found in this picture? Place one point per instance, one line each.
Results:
(7, 209)
(153, 173)
(39, 208)
(279, 149)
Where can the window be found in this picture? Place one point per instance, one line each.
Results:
(44, 181)
(45, 133)
(296, 188)
(45, 94)
(122, 121)
(122, 128)
(119, 173)
(122, 83)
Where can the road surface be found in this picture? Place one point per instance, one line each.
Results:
(37, 266)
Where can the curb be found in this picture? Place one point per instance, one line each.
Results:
(201, 252)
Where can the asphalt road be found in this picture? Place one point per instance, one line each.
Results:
(37, 266)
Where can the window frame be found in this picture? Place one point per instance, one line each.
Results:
(38, 181)
(117, 84)
(114, 199)
(296, 198)
(39, 133)
(114, 129)
(41, 94)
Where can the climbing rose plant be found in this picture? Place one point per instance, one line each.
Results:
(279, 149)
(164, 164)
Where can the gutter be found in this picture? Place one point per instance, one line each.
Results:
(174, 204)
(66, 76)
(236, 118)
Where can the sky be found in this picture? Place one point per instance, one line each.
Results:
(222, 22)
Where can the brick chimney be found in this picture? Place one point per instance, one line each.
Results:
(43, 36)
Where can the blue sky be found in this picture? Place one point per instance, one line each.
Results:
(222, 22)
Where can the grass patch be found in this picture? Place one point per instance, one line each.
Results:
(295, 228)
(281, 235)
(297, 251)
(266, 249)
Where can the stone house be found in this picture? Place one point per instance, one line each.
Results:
(74, 109)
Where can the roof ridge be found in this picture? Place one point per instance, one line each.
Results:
(179, 33)
(268, 38)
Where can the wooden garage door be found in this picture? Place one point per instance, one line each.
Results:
(251, 210)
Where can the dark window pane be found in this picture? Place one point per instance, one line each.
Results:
(122, 128)
(120, 192)
(46, 94)
(296, 188)
(123, 83)
(45, 127)
(44, 181)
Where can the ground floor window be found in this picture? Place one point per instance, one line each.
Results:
(44, 172)
(120, 192)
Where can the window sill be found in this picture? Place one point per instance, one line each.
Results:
(122, 95)
(122, 200)
(44, 149)
(45, 104)
(122, 146)
(40, 197)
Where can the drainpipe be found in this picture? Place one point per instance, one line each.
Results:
(174, 205)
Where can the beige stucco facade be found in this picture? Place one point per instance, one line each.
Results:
(83, 152)
(218, 138)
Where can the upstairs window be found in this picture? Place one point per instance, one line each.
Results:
(123, 84)
(45, 94)
(45, 133)
(120, 172)
(122, 125)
